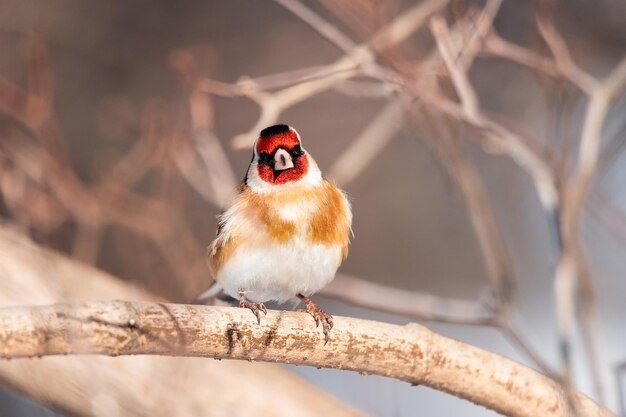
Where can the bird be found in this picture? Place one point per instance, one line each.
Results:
(285, 233)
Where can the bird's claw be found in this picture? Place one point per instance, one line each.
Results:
(320, 316)
(256, 308)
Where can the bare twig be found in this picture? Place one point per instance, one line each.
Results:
(504, 141)
(466, 93)
(571, 269)
(501, 138)
(247, 86)
(497, 46)
(422, 306)
(205, 166)
(497, 260)
(479, 35)
(220, 172)
(563, 59)
(380, 131)
(565, 293)
(324, 28)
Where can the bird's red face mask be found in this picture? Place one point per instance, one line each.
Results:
(281, 158)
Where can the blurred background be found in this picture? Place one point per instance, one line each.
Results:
(125, 127)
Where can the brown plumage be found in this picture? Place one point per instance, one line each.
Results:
(328, 225)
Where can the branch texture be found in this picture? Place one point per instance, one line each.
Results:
(411, 353)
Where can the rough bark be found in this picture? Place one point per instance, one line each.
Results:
(411, 353)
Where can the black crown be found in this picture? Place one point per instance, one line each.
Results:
(274, 130)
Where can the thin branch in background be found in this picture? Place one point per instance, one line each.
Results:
(363, 149)
(40, 98)
(365, 89)
(599, 105)
(565, 291)
(325, 29)
(572, 264)
(496, 46)
(562, 57)
(126, 172)
(219, 171)
(482, 216)
(564, 158)
(37, 71)
(470, 48)
(405, 24)
(501, 138)
(194, 171)
(592, 341)
(417, 305)
(469, 100)
(27, 201)
(247, 86)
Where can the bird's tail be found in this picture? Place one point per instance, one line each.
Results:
(209, 294)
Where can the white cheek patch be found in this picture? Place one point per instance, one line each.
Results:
(282, 160)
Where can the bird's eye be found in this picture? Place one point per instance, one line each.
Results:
(265, 158)
(297, 151)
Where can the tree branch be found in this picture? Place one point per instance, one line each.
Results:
(411, 353)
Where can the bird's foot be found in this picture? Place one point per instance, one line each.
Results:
(319, 315)
(256, 308)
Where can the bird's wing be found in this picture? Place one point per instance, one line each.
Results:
(332, 223)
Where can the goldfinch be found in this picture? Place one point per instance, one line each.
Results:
(286, 232)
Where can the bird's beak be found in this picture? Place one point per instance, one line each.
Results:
(282, 160)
